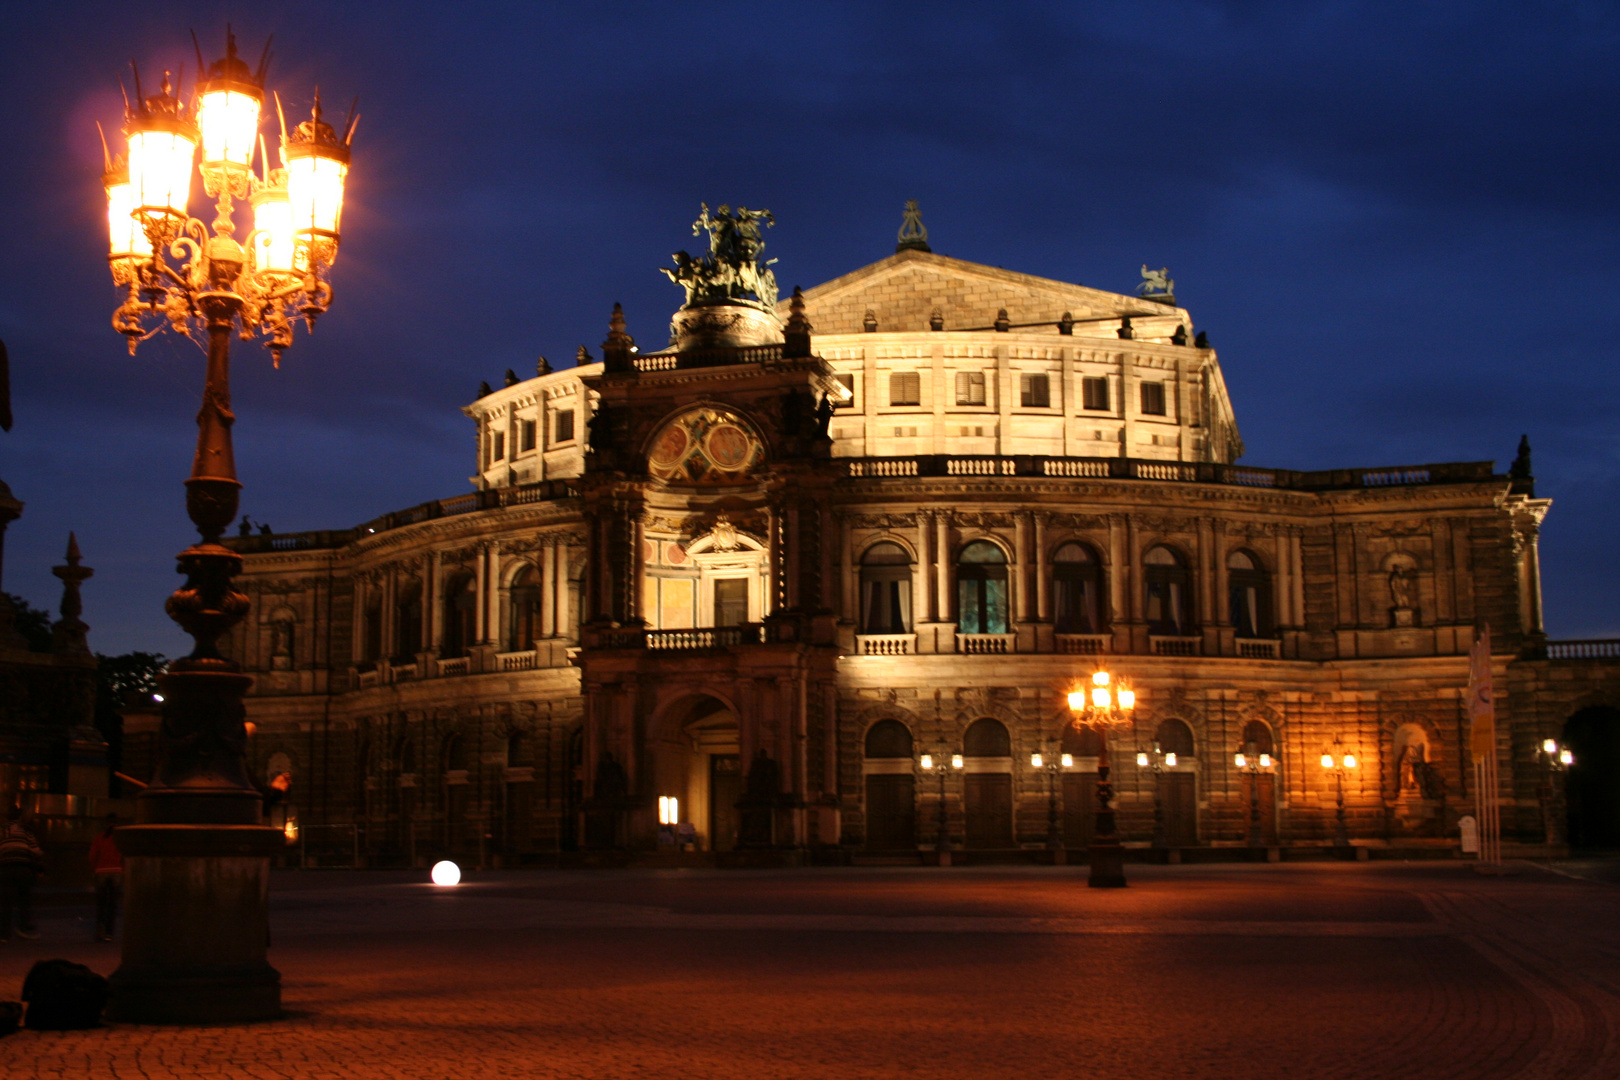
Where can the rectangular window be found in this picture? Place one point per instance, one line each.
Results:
(730, 601)
(565, 426)
(970, 388)
(905, 388)
(525, 436)
(848, 382)
(1153, 399)
(1034, 391)
(497, 447)
(1094, 394)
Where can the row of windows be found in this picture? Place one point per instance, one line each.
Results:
(1078, 605)
(1034, 391)
(527, 436)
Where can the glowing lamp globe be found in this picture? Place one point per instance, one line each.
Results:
(1170, 759)
(273, 243)
(162, 145)
(1035, 761)
(446, 873)
(1349, 761)
(1077, 700)
(126, 240)
(1327, 761)
(317, 164)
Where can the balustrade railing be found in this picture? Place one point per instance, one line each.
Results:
(1176, 646)
(1083, 644)
(517, 661)
(1584, 649)
(1257, 648)
(986, 644)
(886, 644)
(1116, 468)
(456, 665)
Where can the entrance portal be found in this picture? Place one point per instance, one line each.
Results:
(1593, 736)
(697, 760)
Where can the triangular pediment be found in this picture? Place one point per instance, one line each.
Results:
(905, 289)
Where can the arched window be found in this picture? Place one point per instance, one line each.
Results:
(1076, 590)
(1175, 737)
(886, 590)
(986, 738)
(1169, 593)
(888, 739)
(460, 604)
(1257, 738)
(1249, 595)
(523, 607)
(371, 647)
(409, 621)
(455, 753)
(981, 589)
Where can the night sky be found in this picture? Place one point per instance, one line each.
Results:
(1397, 223)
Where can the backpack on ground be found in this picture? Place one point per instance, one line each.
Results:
(63, 996)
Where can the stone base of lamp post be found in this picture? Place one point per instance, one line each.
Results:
(197, 926)
(1107, 866)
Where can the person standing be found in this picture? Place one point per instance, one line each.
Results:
(108, 867)
(21, 861)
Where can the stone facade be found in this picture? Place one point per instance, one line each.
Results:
(737, 594)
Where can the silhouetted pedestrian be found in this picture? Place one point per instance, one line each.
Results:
(21, 861)
(107, 864)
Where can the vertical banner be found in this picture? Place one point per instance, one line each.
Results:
(1482, 746)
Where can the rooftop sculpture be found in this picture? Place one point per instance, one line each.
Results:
(1157, 285)
(731, 271)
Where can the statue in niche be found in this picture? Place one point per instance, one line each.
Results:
(731, 271)
(1411, 769)
(1403, 586)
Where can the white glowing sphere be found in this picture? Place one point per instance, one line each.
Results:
(446, 873)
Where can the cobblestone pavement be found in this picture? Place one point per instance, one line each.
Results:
(1252, 971)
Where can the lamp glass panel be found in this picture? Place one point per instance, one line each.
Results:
(126, 238)
(1170, 759)
(1077, 700)
(1035, 760)
(1068, 761)
(1099, 697)
(229, 120)
(1265, 761)
(315, 189)
(1566, 758)
(273, 236)
(956, 761)
(1349, 761)
(928, 761)
(1127, 699)
(1141, 761)
(160, 171)
(1240, 760)
(1327, 761)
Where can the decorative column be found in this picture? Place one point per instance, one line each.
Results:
(846, 570)
(942, 563)
(1043, 607)
(1020, 567)
(433, 613)
(561, 627)
(480, 594)
(548, 588)
(492, 607)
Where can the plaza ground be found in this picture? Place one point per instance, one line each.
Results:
(1230, 970)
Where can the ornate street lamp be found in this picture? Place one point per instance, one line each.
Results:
(1101, 707)
(1254, 764)
(1338, 763)
(1554, 759)
(1054, 832)
(940, 764)
(194, 942)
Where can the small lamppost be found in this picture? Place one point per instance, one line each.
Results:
(197, 857)
(1555, 759)
(1103, 707)
(940, 764)
(1338, 763)
(1156, 761)
(1253, 764)
(1051, 766)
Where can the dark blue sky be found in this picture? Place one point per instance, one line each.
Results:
(1397, 222)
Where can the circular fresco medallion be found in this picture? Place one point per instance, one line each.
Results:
(728, 447)
(671, 446)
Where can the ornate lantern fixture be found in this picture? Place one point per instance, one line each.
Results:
(1338, 762)
(202, 809)
(1107, 704)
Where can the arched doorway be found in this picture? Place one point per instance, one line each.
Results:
(987, 785)
(697, 759)
(1083, 745)
(1592, 785)
(1178, 783)
(891, 788)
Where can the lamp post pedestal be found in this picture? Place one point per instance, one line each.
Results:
(197, 925)
(1107, 855)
